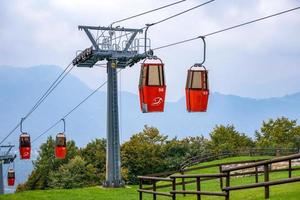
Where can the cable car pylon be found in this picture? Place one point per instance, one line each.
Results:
(6, 157)
(119, 51)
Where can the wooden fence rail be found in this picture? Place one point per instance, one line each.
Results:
(224, 173)
(267, 183)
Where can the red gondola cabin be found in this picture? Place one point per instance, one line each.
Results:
(11, 177)
(60, 147)
(25, 146)
(152, 88)
(197, 91)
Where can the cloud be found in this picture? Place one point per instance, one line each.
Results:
(248, 61)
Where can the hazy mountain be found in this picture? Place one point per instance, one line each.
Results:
(21, 87)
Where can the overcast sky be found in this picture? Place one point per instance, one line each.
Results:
(260, 60)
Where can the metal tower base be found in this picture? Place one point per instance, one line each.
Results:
(113, 163)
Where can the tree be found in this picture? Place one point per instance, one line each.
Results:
(95, 154)
(46, 163)
(196, 146)
(279, 133)
(75, 174)
(176, 151)
(143, 154)
(226, 138)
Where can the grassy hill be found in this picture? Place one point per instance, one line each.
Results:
(286, 192)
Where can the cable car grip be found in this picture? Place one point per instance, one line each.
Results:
(204, 54)
(64, 122)
(21, 124)
(145, 44)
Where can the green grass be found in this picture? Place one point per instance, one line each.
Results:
(282, 192)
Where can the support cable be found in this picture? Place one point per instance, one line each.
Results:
(56, 82)
(171, 17)
(146, 12)
(181, 13)
(158, 22)
(71, 111)
(227, 29)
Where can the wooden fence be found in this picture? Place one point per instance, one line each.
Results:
(224, 174)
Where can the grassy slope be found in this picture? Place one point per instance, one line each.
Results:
(286, 192)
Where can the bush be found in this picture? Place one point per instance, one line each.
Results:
(74, 174)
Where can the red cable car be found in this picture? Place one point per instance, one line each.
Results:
(11, 177)
(61, 144)
(24, 143)
(25, 146)
(196, 90)
(152, 88)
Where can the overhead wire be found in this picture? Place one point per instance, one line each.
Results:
(169, 45)
(140, 14)
(170, 17)
(71, 111)
(227, 29)
(147, 12)
(180, 13)
(158, 22)
(50, 89)
(54, 84)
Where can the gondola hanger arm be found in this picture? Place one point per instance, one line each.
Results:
(204, 53)
(21, 124)
(64, 123)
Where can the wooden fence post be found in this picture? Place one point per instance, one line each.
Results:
(183, 181)
(221, 178)
(290, 168)
(256, 174)
(154, 189)
(141, 187)
(227, 185)
(198, 188)
(267, 188)
(174, 188)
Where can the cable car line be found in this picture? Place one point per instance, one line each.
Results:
(56, 82)
(178, 14)
(146, 12)
(170, 17)
(227, 29)
(50, 89)
(71, 111)
(46, 94)
(143, 13)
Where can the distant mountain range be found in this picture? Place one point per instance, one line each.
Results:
(21, 87)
